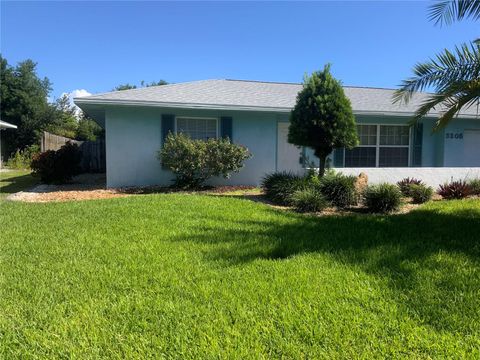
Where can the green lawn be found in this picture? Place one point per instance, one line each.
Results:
(14, 181)
(198, 276)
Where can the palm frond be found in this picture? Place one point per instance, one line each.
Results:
(448, 67)
(445, 12)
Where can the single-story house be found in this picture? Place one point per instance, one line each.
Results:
(256, 115)
(4, 125)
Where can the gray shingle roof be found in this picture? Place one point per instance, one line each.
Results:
(250, 95)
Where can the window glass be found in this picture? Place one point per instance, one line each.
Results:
(360, 157)
(393, 157)
(367, 134)
(394, 135)
(197, 128)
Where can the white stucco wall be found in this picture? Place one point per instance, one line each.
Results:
(432, 176)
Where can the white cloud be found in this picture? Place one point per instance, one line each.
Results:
(76, 93)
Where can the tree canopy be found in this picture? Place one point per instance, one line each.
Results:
(24, 102)
(128, 86)
(322, 118)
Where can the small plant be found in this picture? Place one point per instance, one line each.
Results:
(339, 189)
(382, 198)
(308, 200)
(454, 190)
(420, 193)
(474, 186)
(22, 159)
(280, 186)
(195, 161)
(58, 166)
(405, 184)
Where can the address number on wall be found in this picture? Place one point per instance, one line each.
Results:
(451, 135)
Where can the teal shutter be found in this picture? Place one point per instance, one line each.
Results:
(417, 145)
(226, 127)
(168, 126)
(338, 157)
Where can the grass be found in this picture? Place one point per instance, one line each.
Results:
(198, 276)
(15, 180)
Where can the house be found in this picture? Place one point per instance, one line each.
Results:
(4, 125)
(256, 114)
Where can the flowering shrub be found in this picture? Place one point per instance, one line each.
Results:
(195, 161)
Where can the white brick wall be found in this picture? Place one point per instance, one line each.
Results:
(432, 176)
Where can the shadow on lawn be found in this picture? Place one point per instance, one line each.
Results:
(429, 259)
(16, 184)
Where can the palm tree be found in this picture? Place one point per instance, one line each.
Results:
(448, 11)
(454, 75)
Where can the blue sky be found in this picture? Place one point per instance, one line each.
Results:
(98, 45)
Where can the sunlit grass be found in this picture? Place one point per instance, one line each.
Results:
(189, 276)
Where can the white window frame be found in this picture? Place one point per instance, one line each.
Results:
(217, 124)
(377, 145)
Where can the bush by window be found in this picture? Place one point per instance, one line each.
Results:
(195, 161)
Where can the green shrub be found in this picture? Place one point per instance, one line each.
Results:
(339, 190)
(308, 200)
(382, 198)
(57, 166)
(474, 186)
(280, 186)
(405, 184)
(195, 161)
(22, 159)
(420, 193)
(454, 190)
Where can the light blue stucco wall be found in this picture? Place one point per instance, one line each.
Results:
(133, 138)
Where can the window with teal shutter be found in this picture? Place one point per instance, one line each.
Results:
(168, 125)
(417, 145)
(226, 127)
(338, 157)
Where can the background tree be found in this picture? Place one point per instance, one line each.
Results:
(454, 75)
(128, 86)
(322, 118)
(23, 100)
(88, 130)
(63, 118)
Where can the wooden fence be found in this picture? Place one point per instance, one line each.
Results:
(93, 152)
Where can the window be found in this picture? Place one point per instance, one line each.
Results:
(380, 146)
(197, 128)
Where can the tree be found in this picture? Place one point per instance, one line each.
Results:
(446, 12)
(23, 99)
(128, 86)
(88, 130)
(454, 75)
(322, 118)
(63, 118)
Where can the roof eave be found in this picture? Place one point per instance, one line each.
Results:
(87, 101)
